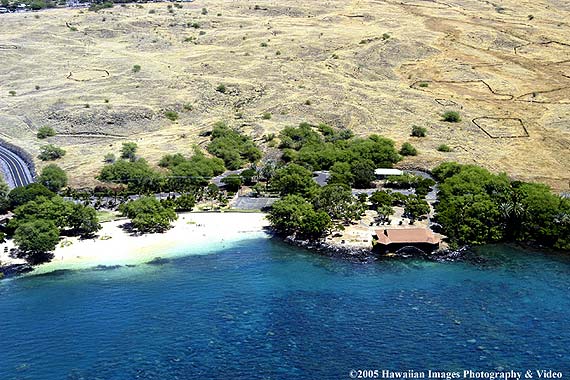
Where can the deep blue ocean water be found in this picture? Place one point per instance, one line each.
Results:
(265, 310)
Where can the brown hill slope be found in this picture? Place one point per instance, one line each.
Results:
(374, 66)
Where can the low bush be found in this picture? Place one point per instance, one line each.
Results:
(50, 152)
(452, 117)
(171, 115)
(45, 131)
(418, 131)
(408, 150)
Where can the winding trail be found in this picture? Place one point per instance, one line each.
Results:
(15, 168)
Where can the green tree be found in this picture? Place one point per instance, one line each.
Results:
(53, 177)
(50, 152)
(4, 188)
(147, 214)
(129, 151)
(232, 182)
(294, 179)
(171, 115)
(341, 172)
(137, 175)
(338, 202)
(24, 194)
(35, 238)
(381, 198)
(293, 215)
(363, 171)
(185, 202)
(233, 147)
(249, 176)
(83, 220)
(415, 207)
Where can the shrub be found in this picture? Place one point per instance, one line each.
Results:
(443, 148)
(418, 131)
(266, 116)
(385, 36)
(308, 102)
(152, 11)
(171, 115)
(128, 151)
(221, 88)
(204, 11)
(263, 44)
(109, 158)
(408, 150)
(188, 107)
(50, 152)
(45, 131)
(424, 84)
(98, 7)
(202, 33)
(136, 68)
(37, 87)
(12, 93)
(452, 117)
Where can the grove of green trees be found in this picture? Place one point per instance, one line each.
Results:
(351, 160)
(41, 216)
(478, 207)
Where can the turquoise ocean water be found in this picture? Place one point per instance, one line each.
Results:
(260, 309)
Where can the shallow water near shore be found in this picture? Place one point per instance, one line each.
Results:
(260, 309)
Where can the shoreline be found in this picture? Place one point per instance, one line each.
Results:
(192, 233)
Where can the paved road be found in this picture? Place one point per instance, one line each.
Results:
(18, 173)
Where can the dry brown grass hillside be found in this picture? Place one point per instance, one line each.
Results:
(373, 66)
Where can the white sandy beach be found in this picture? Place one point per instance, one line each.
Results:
(192, 233)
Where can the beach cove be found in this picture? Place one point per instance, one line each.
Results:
(192, 233)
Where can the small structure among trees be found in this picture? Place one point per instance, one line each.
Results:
(394, 239)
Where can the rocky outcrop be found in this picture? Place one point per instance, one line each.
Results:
(366, 255)
(325, 249)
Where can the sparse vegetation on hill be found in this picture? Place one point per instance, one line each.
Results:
(378, 87)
